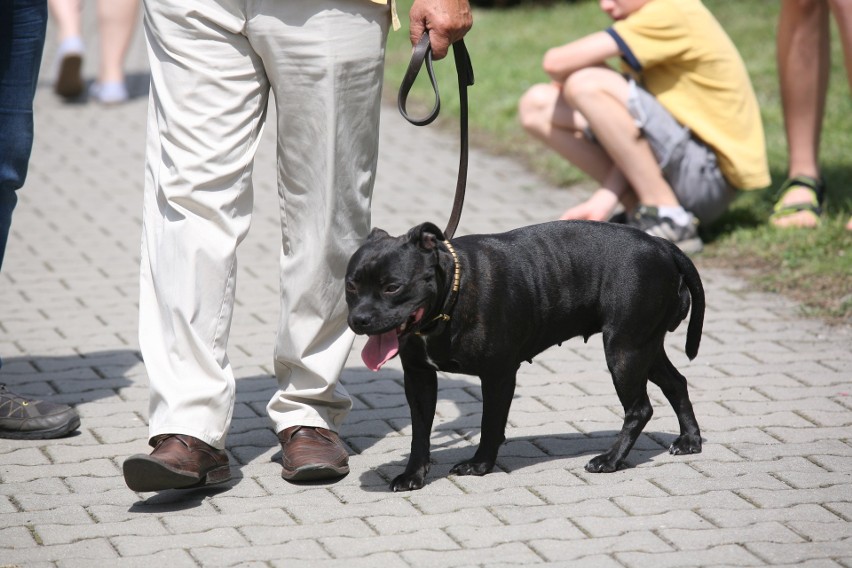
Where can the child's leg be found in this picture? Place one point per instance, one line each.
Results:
(601, 95)
(544, 113)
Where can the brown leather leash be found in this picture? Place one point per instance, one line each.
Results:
(423, 52)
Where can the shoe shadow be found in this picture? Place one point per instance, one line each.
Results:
(175, 500)
(71, 379)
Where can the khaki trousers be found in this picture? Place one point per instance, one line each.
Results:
(213, 65)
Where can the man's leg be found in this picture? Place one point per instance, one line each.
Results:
(208, 103)
(325, 63)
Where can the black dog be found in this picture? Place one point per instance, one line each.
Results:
(484, 303)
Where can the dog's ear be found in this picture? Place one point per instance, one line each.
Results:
(426, 236)
(377, 233)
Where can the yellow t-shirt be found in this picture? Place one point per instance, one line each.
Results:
(678, 51)
(394, 17)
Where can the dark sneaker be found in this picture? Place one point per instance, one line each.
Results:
(311, 454)
(177, 462)
(686, 237)
(26, 419)
(619, 218)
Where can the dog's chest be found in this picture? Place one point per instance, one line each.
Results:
(439, 354)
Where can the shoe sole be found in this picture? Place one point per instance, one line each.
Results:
(58, 432)
(144, 473)
(315, 472)
(69, 84)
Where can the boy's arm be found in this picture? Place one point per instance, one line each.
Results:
(589, 51)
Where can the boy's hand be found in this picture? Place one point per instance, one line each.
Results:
(446, 21)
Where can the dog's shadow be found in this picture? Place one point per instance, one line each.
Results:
(383, 412)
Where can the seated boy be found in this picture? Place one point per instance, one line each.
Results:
(674, 138)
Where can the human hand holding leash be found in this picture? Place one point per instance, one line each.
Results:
(447, 21)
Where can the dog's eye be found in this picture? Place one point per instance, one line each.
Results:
(392, 288)
(351, 288)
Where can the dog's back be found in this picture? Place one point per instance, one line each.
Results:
(564, 279)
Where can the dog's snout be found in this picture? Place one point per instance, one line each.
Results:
(361, 321)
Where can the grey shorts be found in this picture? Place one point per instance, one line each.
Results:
(689, 166)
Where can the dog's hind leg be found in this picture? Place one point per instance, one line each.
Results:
(673, 384)
(629, 369)
(497, 393)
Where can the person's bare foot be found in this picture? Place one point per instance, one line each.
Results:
(598, 207)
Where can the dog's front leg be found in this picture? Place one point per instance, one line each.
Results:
(421, 391)
(497, 392)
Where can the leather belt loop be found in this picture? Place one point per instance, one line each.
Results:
(464, 69)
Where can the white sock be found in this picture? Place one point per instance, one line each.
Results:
(676, 213)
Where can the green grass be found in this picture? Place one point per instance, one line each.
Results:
(506, 46)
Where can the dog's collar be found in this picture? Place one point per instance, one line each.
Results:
(442, 318)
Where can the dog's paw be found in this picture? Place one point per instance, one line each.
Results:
(686, 444)
(603, 463)
(471, 467)
(409, 481)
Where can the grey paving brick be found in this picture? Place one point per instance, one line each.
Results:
(20, 537)
(654, 505)
(383, 559)
(684, 486)
(604, 526)
(171, 558)
(476, 517)
(728, 555)
(94, 551)
(576, 550)
(23, 473)
(740, 518)
(513, 554)
(65, 534)
(800, 552)
(789, 497)
(227, 554)
(704, 539)
(432, 505)
(134, 545)
(476, 537)
(342, 530)
(427, 539)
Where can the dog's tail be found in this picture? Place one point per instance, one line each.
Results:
(696, 290)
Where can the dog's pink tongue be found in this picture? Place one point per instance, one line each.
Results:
(380, 349)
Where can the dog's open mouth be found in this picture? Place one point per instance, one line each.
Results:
(383, 347)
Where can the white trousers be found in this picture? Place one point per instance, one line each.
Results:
(213, 64)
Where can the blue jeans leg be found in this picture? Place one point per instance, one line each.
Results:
(23, 25)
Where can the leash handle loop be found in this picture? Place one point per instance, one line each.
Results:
(464, 69)
(422, 53)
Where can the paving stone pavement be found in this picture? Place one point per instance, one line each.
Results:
(772, 392)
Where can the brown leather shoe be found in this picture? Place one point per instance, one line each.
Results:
(312, 453)
(177, 462)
